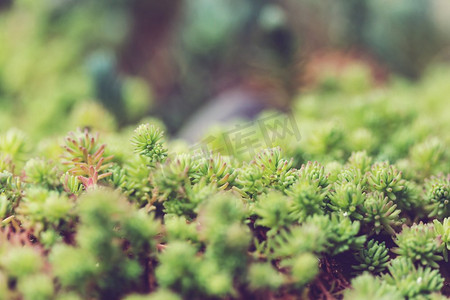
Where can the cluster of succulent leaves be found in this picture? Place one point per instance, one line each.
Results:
(357, 208)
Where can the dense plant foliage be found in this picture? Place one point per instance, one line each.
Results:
(357, 208)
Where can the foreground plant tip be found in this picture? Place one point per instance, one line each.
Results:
(318, 218)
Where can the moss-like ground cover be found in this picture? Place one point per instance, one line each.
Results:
(355, 206)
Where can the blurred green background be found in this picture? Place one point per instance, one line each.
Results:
(111, 63)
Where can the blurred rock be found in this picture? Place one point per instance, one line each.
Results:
(231, 105)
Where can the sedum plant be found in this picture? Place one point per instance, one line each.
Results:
(147, 141)
(442, 232)
(138, 215)
(314, 172)
(387, 179)
(437, 191)
(373, 257)
(348, 199)
(113, 244)
(268, 170)
(413, 281)
(40, 171)
(85, 158)
(419, 243)
(367, 286)
(341, 233)
(262, 276)
(273, 212)
(381, 214)
(307, 199)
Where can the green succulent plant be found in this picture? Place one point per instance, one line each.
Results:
(148, 141)
(273, 212)
(14, 144)
(386, 178)
(438, 196)
(298, 239)
(360, 161)
(263, 276)
(348, 199)
(367, 286)
(442, 232)
(341, 233)
(39, 171)
(314, 172)
(373, 258)
(276, 172)
(426, 157)
(413, 281)
(381, 214)
(106, 220)
(307, 199)
(419, 243)
(159, 221)
(85, 158)
(304, 268)
(216, 170)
